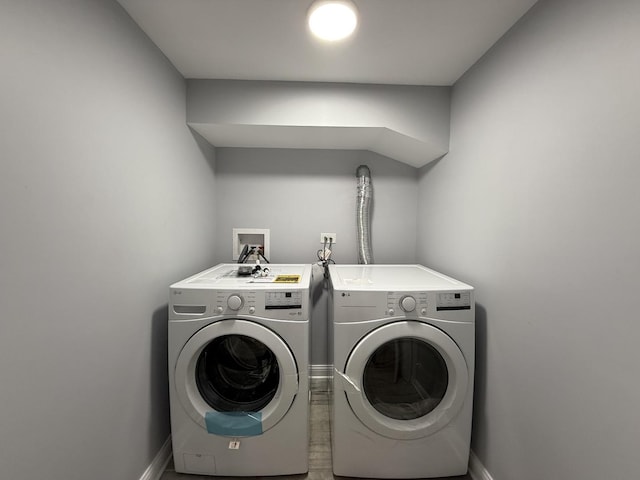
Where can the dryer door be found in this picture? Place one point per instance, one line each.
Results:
(236, 378)
(406, 380)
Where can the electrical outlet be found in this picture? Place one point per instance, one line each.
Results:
(330, 238)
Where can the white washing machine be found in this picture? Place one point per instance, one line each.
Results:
(238, 371)
(402, 341)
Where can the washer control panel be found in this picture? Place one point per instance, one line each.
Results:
(281, 304)
(282, 300)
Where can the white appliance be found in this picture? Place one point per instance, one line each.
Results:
(402, 341)
(238, 371)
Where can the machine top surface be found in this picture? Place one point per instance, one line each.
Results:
(391, 277)
(226, 276)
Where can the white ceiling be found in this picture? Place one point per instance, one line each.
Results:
(404, 42)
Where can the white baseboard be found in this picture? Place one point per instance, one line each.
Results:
(477, 471)
(159, 463)
(320, 371)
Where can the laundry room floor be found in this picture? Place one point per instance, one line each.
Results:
(319, 446)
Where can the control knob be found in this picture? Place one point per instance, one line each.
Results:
(408, 303)
(234, 302)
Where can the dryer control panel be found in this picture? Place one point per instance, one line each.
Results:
(426, 303)
(454, 305)
(453, 301)
(398, 302)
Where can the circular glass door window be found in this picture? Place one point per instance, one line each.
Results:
(405, 378)
(237, 373)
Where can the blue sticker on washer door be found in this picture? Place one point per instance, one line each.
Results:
(234, 424)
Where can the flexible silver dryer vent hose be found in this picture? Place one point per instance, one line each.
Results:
(363, 215)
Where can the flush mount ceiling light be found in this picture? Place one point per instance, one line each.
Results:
(332, 20)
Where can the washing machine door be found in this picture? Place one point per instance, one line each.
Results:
(406, 380)
(236, 378)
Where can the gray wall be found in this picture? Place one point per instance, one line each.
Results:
(299, 193)
(105, 199)
(537, 206)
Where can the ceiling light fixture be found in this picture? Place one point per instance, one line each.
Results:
(332, 20)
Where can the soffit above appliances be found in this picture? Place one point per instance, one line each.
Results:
(407, 123)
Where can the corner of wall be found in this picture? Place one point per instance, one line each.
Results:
(155, 470)
(477, 470)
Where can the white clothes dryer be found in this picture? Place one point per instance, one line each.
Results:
(238, 371)
(402, 341)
